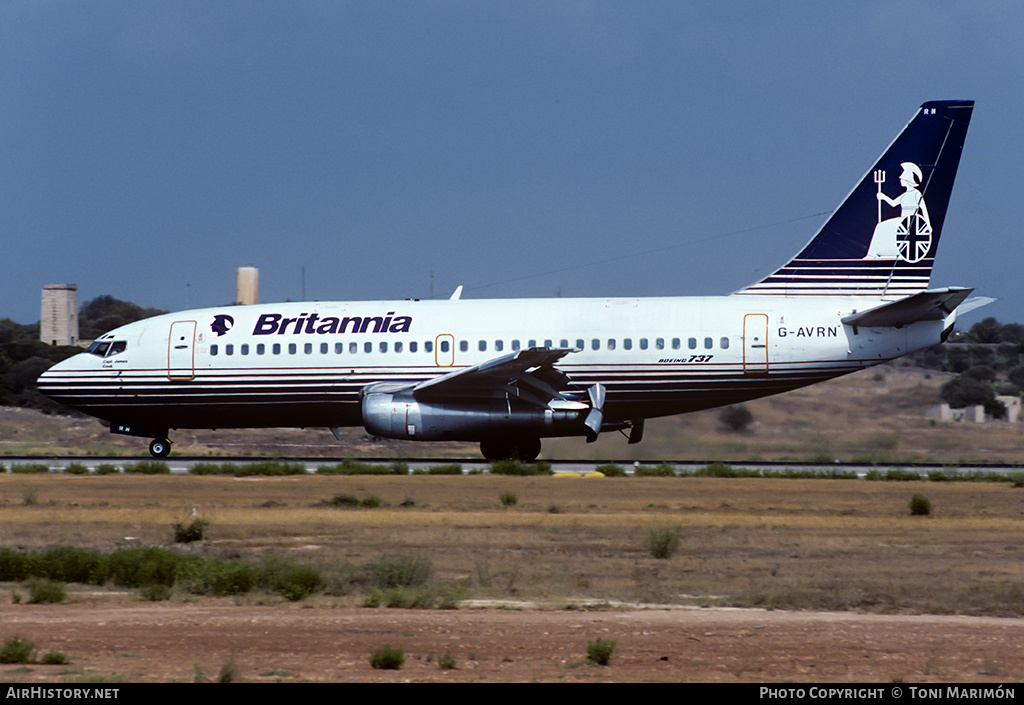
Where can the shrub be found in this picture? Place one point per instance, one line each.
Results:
(449, 469)
(508, 499)
(69, 564)
(343, 500)
(145, 565)
(515, 467)
(662, 542)
(54, 658)
(29, 468)
(662, 470)
(447, 662)
(76, 469)
(195, 530)
(211, 576)
(920, 505)
(370, 502)
(600, 651)
(292, 581)
(17, 650)
(149, 467)
(387, 657)
(45, 592)
(106, 469)
(611, 470)
(400, 570)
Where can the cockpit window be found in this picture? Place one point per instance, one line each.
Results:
(99, 349)
(106, 348)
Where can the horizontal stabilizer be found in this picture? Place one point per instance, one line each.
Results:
(929, 305)
(973, 303)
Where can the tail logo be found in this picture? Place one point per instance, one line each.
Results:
(907, 236)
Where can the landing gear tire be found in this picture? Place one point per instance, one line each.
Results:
(160, 448)
(524, 450)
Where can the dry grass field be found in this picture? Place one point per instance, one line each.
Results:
(564, 565)
(773, 579)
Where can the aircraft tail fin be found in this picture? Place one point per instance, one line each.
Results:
(882, 239)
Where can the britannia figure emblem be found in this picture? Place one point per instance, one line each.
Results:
(908, 235)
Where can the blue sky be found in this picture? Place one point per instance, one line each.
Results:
(387, 149)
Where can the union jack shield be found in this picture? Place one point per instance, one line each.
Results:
(914, 237)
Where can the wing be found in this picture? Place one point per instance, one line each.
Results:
(529, 375)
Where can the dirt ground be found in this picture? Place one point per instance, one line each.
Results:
(147, 642)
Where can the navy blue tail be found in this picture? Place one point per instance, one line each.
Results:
(882, 240)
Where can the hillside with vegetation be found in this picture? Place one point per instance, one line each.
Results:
(23, 357)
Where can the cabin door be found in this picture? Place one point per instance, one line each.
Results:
(181, 350)
(755, 342)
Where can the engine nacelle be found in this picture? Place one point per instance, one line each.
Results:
(400, 416)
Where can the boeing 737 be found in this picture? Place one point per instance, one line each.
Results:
(507, 373)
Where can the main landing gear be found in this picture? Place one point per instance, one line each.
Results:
(160, 448)
(522, 449)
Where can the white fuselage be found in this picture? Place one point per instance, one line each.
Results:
(305, 364)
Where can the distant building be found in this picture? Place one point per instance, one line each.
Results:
(58, 324)
(247, 285)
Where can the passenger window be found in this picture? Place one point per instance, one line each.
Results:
(659, 343)
(260, 348)
(611, 343)
(428, 346)
(464, 345)
(676, 343)
(643, 343)
(627, 344)
(324, 348)
(383, 347)
(353, 348)
(444, 346)
(368, 347)
(244, 348)
(292, 348)
(229, 349)
(563, 343)
(213, 351)
(276, 349)
(308, 348)
(724, 343)
(482, 346)
(413, 346)
(398, 347)
(499, 345)
(515, 344)
(547, 344)
(579, 344)
(532, 344)
(692, 342)
(339, 348)
(708, 343)
(595, 344)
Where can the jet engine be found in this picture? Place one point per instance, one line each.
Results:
(400, 415)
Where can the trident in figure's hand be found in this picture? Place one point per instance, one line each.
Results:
(879, 179)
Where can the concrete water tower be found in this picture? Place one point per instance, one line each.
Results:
(58, 324)
(247, 285)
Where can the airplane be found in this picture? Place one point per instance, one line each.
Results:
(506, 373)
